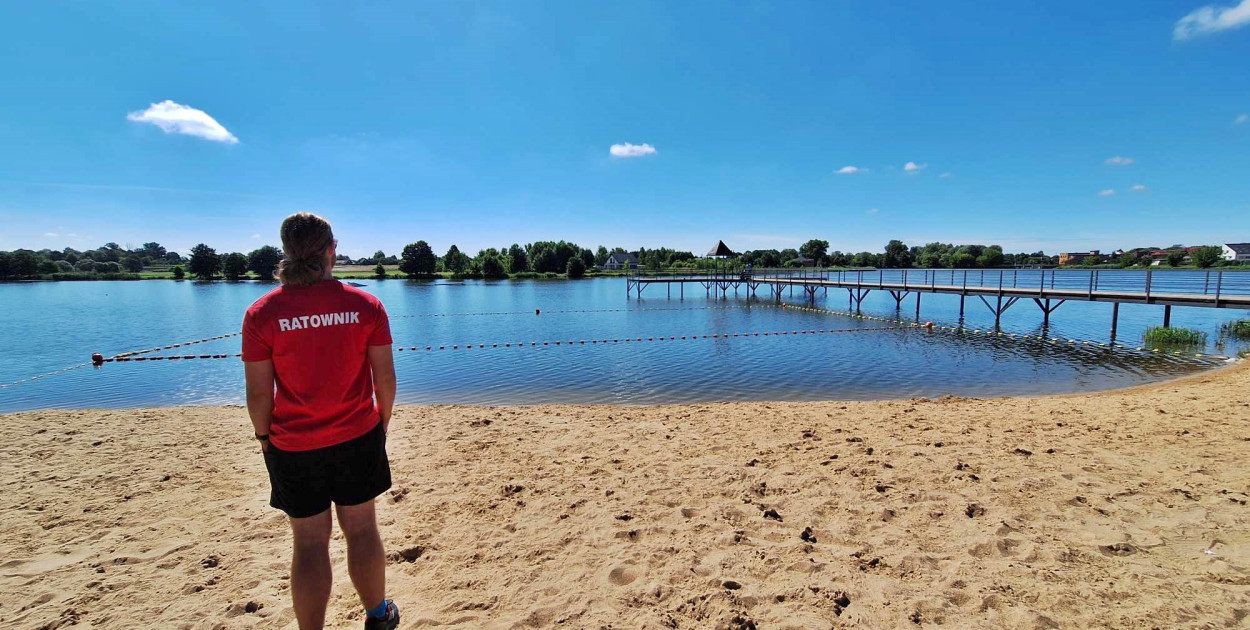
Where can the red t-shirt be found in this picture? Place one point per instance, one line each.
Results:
(317, 337)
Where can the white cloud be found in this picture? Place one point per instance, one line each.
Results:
(52, 234)
(1137, 188)
(172, 117)
(1211, 19)
(255, 236)
(912, 167)
(628, 150)
(1106, 193)
(1120, 161)
(944, 175)
(1241, 120)
(850, 170)
(872, 211)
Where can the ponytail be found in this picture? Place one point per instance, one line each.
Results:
(305, 239)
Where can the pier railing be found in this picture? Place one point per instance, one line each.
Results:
(1213, 282)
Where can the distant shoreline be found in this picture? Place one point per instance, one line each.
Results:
(394, 274)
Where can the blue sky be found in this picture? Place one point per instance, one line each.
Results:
(488, 123)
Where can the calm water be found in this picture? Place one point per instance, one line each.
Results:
(49, 326)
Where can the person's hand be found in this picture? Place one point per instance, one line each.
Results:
(386, 425)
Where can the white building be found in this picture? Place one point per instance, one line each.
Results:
(1237, 251)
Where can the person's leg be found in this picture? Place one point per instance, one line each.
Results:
(311, 575)
(366, 559)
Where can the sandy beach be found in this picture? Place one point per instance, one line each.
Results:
(1123, 509)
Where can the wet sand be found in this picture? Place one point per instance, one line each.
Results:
(1123, 509)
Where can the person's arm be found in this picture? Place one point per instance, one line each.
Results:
(259, 376)
(383, 364)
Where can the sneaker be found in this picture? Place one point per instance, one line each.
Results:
(389, 622)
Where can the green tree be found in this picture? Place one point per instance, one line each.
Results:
(1126, 260)
(991, 256)
(492, 267)
(205, 263)
(110, 252)
(153, 250)
(417, 260)
(815, 249)
(454, 260)
(47, 267)
(517, 260)
(588, 259)
(25, 263)
(264, 261)
(379, 271)
(601, 256)
(132, 263)
(234, 266)
(179, 273)
(963, 260)
(576, 268)
(1175, 259)
(6, 265)
(1205, 257)
(551, 256)
(896, 255)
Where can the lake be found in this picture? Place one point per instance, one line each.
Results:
(49, 326)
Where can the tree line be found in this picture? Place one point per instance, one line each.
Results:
(114, 261)
(540, 258)
(896, 254)
(109, 259)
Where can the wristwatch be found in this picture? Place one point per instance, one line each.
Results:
(262, 438)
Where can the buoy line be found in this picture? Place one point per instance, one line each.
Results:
(636, 340)
(44, 375)
(539, 311)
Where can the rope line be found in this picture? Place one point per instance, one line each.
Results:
(583, 342)
(44, 375)
(176, 345)
(531, 344)
(585, 310)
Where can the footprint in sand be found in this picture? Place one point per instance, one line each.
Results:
(624, 574)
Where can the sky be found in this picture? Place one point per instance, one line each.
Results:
(1056, 125)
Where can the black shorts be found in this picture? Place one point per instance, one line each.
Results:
(305, 483)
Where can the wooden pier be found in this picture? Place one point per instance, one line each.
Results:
(997, 289)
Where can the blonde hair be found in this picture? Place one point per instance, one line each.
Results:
(305, 239)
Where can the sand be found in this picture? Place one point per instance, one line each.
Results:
(1124, 509)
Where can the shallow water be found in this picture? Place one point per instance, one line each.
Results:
(49, 326)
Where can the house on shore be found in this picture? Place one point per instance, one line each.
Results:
(1076, 258)
(621, 260)
(1239, 252)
